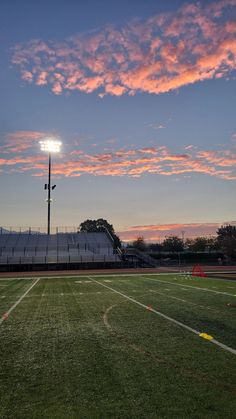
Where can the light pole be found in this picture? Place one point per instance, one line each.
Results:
(50, 145)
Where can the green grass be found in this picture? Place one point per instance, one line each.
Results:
(80, 350)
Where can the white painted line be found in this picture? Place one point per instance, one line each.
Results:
(182, 300)
(190, 329)
(82, 282)
(18, 301)
(106, 280)
(189, 286)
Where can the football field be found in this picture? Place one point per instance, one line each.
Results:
(118, 346)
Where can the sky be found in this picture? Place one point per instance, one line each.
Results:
(141, 94)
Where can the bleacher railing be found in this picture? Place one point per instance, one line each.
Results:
(38, 230)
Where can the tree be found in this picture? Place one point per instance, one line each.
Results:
(139, 243)
(173, 244)
(213, 243)
(199, 244)
(202, 244)
(100, 225)
(226, 236)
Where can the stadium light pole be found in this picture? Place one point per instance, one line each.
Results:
(50, 145)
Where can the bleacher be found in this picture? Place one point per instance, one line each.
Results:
(27, 248)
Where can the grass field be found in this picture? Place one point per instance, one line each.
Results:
(118, 346)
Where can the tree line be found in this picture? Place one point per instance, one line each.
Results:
(224, 241)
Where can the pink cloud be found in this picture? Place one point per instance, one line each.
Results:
(42, 78)
(157, 55)
(157, 232)
(27, 76)
(20, 141)
(115, 90)
(158, 160)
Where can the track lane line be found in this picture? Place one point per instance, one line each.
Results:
(6, 314)
(184, 326)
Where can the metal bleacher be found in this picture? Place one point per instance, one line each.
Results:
(36, 248)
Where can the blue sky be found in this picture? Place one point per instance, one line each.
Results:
(142, 96)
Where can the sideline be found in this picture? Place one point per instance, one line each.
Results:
(190, 329)
(6, 314)
(76, 274)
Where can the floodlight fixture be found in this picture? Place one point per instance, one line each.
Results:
(50, 145)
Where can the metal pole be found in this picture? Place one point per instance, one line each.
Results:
(49, 191)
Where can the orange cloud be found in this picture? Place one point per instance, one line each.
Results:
(157, 160)
(20, 141)
(157, 232)
(157, 55)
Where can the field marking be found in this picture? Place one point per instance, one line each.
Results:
(185, 301)
(82, 282)
(184, 326)
(189, 286)
(6, 314)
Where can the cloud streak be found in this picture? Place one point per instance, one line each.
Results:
(157, 55)
(21, 141)
(157, 232)
(19, 154)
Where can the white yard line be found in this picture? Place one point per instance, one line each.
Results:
(189, 286)
(6, 314)
(190, 329)
(181, 299)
